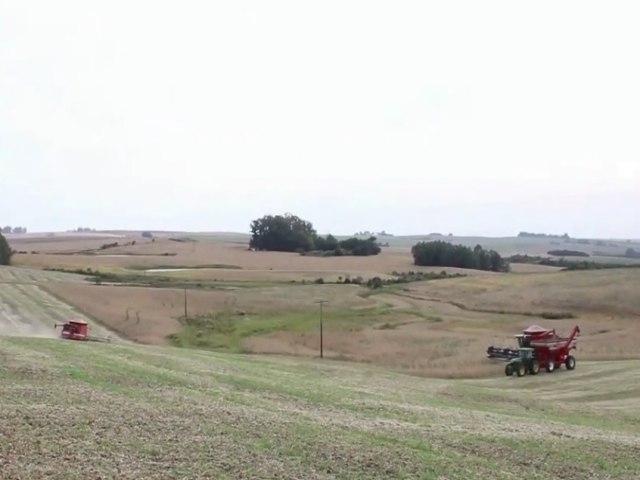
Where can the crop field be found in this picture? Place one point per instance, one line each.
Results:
(404, 391)
(26, 309)
(226, 257)
(256, 302)
(435, 328)
(75, 411)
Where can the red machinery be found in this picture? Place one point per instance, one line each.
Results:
(78, 330)
(549, 349)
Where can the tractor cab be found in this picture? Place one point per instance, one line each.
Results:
(524, 363)
(524, 340)
(525, 353)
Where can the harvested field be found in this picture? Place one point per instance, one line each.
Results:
(425, 328)
(64, 242)
(606, 292)
(26, 309)
(247, 265)
(28, 275)
(149, 412)
(149, 315)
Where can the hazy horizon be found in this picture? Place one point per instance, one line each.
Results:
(471, 118)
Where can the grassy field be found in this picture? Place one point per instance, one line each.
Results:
(393, 410)
(75, 411)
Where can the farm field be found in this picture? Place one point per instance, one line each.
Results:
(434, 328)
(264, 302)
(233, 260)
(404, 391)
(26, 309)
(130, 411)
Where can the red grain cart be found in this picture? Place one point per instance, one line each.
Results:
(550, 350)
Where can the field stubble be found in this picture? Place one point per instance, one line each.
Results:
(149, 412)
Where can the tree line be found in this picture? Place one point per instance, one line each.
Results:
(542, 235)
(290, 233)
(444, 254)
(10, 229)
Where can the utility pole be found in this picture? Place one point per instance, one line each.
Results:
(321, 302)
(185, 304)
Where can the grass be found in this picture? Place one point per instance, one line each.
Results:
(152, 412)
(226, 332)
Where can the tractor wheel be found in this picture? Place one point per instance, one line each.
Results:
(570, 362)
(550, 367)
(535, 368)
(520, 370)
(508, 371)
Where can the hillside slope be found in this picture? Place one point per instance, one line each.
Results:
(75, 410)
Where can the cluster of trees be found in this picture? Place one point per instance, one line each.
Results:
(289, 233)
(542, 235)
(567, 253)
(84, 229)
(367, 233)
(444, 254)
(9, 229)
(5, 251)
(632, 253)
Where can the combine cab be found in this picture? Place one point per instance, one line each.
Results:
(538, 347)
(78, 330)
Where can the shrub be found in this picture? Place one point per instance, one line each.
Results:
(5, 251)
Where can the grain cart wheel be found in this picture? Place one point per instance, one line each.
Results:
(570, 362)
(535, 368)
(520, 370)
(550, 367)
(508, 371)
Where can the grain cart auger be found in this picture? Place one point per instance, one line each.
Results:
(78, 330)
(538, 348)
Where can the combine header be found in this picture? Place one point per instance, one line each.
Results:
(537, 348)
(78, 330)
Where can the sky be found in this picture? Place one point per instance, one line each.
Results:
(463, 117)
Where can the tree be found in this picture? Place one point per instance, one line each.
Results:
(5, 251)
(282, 233)
(326, 243)
(7, 229)
(360, 247)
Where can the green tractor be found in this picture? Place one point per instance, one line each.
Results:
(523, 363)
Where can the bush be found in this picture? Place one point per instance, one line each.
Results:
(5, 251)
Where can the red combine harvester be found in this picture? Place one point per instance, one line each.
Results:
(78, 330)
(550, 350)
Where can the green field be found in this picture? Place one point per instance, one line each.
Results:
(76, 411)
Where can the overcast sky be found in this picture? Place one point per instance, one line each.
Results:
(471, 117)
